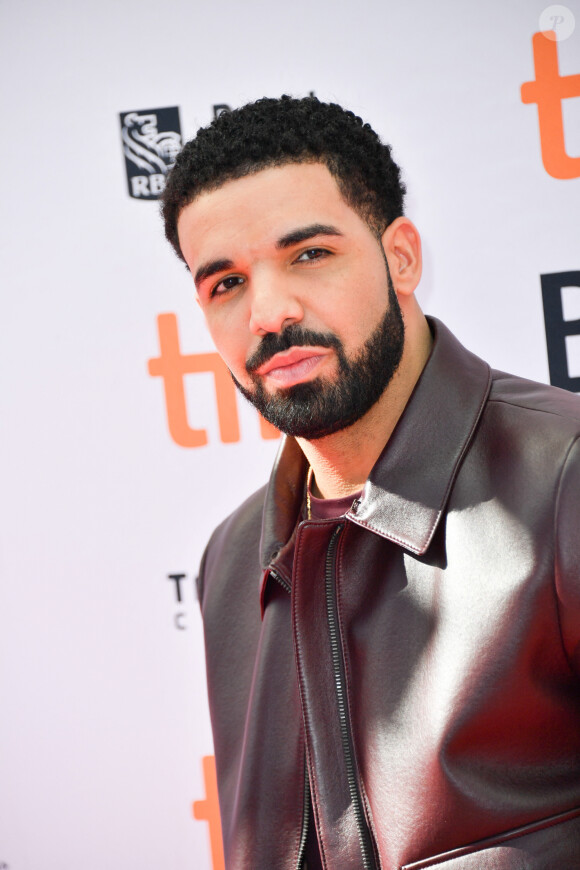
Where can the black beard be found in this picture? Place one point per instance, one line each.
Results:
(319, 407)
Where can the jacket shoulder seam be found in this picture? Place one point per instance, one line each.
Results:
(498, 400)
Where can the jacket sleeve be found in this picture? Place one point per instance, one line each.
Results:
(200, 579)
(567, 558)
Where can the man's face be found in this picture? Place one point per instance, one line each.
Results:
(297, 296)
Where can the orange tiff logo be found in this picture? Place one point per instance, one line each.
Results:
(171, 365)
(548, 91)
(208, 811)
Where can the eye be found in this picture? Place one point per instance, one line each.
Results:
(226, 285)
(312, 254)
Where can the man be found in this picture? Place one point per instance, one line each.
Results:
(392, 625)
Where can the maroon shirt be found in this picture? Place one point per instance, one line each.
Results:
(327, 508)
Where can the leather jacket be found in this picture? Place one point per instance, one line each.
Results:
(414, 673)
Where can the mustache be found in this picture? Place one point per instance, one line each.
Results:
(292, 336)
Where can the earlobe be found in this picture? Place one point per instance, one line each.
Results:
(402, 246)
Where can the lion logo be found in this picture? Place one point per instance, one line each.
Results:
(151, 143)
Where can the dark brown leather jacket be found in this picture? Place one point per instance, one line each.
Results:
(417, 673)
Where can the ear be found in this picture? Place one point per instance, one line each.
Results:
(402, 246)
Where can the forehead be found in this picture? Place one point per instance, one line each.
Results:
(258, 209)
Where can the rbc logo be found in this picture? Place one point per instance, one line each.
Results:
(151, 142)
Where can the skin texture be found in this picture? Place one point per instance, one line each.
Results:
(281, 247)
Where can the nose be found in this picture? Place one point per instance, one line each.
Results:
(274, 304)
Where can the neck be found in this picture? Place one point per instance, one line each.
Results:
(342, 462)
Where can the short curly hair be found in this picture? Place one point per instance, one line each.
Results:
(273, 132)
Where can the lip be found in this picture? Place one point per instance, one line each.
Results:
(292, 366)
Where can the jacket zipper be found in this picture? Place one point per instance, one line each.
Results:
(340, 684)
(305, 817)
(279, 579)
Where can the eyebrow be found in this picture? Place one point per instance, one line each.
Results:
(294, 237)
(302, 234)
(212, 268)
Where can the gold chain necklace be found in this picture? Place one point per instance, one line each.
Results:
(308, 485)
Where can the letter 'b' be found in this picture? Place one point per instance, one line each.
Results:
(557, 329)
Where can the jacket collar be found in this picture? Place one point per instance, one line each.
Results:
(406, 492)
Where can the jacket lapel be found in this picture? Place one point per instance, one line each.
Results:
(405, 495)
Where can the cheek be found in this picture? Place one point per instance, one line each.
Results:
(358, 311)
(229, 344)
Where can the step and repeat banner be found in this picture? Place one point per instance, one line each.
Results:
(123, 442)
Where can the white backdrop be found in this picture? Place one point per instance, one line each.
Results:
(103, 718)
